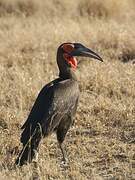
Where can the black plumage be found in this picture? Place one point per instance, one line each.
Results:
(55, 106)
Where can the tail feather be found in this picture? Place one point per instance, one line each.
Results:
(26, 155)
(30, 146)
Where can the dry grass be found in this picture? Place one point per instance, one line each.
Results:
(101, 144)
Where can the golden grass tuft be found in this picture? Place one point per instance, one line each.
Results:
(15, 7)
(107, 9)
(101, 143)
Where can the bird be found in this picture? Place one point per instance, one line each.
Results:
(55, 107)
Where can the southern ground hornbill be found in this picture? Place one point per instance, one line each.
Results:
(56, 104)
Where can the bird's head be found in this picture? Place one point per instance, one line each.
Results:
(67, 52)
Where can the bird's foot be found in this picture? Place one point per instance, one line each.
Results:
(64, 160)
(64, 163)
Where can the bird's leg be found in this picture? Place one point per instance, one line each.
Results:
(63, 152)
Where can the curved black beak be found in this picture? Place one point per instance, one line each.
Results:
(85, 52)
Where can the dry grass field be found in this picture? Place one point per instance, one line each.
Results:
(101, 144)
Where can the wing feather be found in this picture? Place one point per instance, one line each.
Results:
(54, 101)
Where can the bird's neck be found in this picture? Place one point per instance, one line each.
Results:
(68, 74)
(65, 72)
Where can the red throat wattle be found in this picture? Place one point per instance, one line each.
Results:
(71, 60)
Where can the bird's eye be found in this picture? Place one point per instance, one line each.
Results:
(68, 48)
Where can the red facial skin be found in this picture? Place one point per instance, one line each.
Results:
(70, 59)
